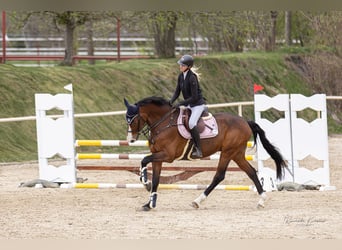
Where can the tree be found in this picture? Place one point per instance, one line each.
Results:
(288, 28)
(105, 22)
(223, 30)
(74, 19)
(262, 29)
(257, 29)
(71, 20)
(90, 41)
(272, 45)
(327, 28)
(163, 27)
(220, 30)
(211, 25)
(302, 29)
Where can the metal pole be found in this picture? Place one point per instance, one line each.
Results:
(3, 36)
(118, 37)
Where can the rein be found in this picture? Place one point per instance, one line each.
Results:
(156, 124)
(146, 129)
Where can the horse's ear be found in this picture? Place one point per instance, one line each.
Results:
(132, 109)
(126, 102)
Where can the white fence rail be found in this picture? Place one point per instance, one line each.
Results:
(132, 46)
(239, 105)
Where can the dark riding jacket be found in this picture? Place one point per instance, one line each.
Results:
(190, 89)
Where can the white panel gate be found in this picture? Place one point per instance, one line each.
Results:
(55, 137)
(296, 138)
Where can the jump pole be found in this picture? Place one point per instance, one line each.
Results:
(117, 143)
(165, 168)
(161, 186)
(113, 143)
(141, 156)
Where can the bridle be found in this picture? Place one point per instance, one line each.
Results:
(146, 129)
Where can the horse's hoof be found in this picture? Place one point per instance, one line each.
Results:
(142, 209)
(261, 203)
(194, 204)
(145, 208)
(260, 206)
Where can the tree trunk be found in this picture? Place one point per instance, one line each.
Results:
(90, 41)
(288, 28)
(69, 42)
(274, 15)
(217, 39)
(164, 27)
(233, 41)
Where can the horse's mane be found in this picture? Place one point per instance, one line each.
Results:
(156, 100)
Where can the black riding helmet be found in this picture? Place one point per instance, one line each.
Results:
(186, 60)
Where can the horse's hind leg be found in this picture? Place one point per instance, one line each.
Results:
(218, 177)
(252, 174)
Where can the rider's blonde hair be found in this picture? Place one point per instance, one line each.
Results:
(196, 71)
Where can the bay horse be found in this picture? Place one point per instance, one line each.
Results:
(157, 120)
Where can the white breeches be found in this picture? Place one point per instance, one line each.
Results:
(196, 113)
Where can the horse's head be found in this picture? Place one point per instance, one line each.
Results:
(147, 111)
(134, 121)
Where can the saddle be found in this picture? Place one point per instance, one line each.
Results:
(207, 125)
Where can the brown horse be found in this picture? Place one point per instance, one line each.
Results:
(157, 119)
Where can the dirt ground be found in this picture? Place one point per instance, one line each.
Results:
(54, 213)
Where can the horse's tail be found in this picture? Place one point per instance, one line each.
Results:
(271, 150)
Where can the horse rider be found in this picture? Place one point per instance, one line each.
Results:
(188, 84)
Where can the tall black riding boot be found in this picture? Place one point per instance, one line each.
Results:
(196, 138)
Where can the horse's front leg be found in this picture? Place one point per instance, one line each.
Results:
(143, 171)
(156, 170)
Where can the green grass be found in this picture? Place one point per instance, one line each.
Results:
(226, 77)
